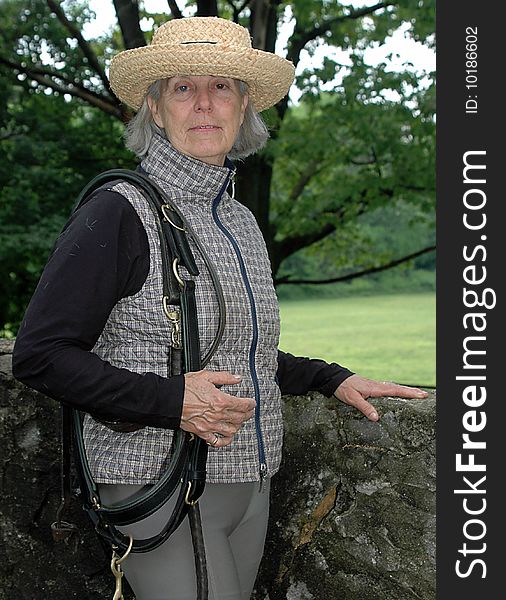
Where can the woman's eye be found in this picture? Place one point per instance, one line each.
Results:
(221, 85)
(182, 88)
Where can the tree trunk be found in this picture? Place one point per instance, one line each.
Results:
(254, 176)
(253, 190)
(260, 11)
(127, 12)
(207, 8)
(263, 24)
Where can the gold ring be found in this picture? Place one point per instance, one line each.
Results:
(215, 441)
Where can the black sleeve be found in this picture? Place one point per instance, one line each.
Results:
(101, 256)
(298, 375)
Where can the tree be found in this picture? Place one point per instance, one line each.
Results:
(339, 154)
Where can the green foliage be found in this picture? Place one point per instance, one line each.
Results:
(343, 159)
(36, 38)
(366, 242)
(357, 156)
(49, 148)
(340, 154)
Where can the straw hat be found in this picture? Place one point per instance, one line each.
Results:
(201, 46)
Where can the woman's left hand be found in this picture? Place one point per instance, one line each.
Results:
(356, 389)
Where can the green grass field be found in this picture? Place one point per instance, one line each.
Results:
(385, 337)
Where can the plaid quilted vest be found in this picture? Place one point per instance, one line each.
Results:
(137, 334)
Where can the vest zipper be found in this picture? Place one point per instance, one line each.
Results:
(254, 341)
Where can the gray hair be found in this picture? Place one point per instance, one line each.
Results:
(253, 133)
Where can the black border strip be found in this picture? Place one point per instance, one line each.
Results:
(470, 207)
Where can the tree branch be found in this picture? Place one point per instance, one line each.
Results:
(237, 10)
(313, 168)
(390, 265)
(417, 188)
(301, 37)
(80, 92)
(46, 71)
(83, 44)
(9, 134)
(243, 6)
(44, 77)
(290, 245)
(378, 168)
(174, 9)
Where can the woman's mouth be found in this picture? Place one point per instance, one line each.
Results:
(204, 128)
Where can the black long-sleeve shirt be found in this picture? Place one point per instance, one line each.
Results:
(101, 256)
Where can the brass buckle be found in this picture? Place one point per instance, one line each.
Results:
(116, 561)
(187, 496)
(175, 264)
(165, 210)
(174, 317)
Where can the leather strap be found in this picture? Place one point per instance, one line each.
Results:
(187, 468)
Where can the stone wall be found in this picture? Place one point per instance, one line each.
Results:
(352, 517)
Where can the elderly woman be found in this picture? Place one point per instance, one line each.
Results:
(94, 334)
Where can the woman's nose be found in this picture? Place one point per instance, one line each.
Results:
(203, 100)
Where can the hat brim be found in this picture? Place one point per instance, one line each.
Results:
(267, 75)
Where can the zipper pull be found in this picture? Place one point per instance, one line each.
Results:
(263, 475)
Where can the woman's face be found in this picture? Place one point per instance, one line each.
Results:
(201, 115)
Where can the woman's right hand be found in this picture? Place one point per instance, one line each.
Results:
(213, 415)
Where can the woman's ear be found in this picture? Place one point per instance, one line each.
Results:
(245, 100)
(153, 107)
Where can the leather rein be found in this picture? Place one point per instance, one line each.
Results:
(186, 471)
